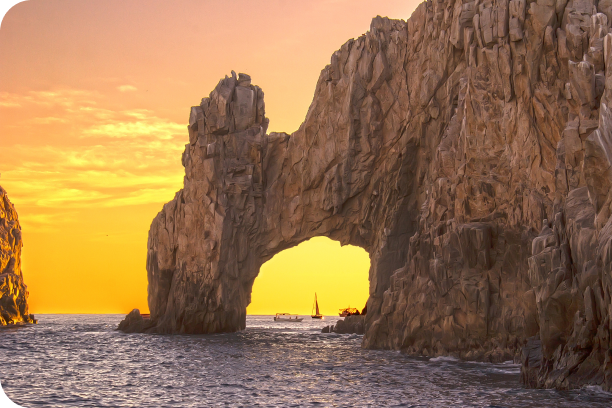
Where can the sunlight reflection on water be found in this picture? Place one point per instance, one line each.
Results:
(81, 361)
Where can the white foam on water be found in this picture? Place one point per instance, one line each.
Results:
(444, 358)
(596, 389)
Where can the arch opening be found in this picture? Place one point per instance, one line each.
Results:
(287, 282)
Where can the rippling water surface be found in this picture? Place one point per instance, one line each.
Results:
(81, 361)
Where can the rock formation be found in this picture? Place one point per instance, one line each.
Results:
(134, 323)
(13, 292)
(468, 150)
(349, 325)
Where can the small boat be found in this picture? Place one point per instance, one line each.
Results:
(287, 317)
(315, 306)
(348, 312)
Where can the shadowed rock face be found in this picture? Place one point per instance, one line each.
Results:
(354, 324)
(468, 150)
(13, 292)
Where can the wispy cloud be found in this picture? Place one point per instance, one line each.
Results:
(48, 120)
(137, 123)
(43, 222)
(127, 88)
(143, 196)
(104, 157)
(94, 176)
(63, 98)
(92, 121)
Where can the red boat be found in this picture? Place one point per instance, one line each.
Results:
(348, 312)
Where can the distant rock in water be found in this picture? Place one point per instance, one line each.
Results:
(468, 150)
(354, 324)
(134, 322)
(13, 291)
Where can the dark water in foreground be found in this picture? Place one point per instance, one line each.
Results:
(81, 361)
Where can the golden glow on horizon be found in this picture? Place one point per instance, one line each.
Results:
(94, 104)
(288, 282)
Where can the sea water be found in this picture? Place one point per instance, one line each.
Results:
(82, 361)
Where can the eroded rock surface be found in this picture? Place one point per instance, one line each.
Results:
(13, 291)
(468, 150)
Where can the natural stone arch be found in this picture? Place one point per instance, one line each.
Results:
(248, 195)
(467, 150)
(404, 152)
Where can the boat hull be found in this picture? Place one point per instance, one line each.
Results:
(280, 319)
(317, 317)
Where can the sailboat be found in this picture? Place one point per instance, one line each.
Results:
(315, 305)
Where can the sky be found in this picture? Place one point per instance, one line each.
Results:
(94, 104)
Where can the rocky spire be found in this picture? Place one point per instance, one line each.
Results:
(13, 291)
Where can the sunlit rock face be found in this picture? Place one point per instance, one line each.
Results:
(467, 150)
(13, 292)
(249, 195)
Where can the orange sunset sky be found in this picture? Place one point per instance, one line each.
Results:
(94, 104)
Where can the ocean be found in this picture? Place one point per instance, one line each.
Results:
(82, 361)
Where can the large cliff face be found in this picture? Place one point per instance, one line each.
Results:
(13, 292)
(467, 150)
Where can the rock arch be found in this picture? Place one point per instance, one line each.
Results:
(467, 150)
(249, 195)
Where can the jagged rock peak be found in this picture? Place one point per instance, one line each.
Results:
(13, 291)
(233, 106)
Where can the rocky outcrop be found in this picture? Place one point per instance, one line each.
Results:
(134, 322)
(13, 292)
(349, 325)
(468, 150)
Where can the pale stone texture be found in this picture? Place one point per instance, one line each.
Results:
(468, 150)
(13, 292)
